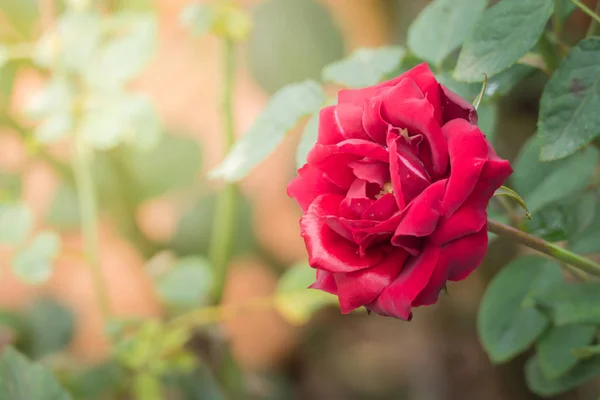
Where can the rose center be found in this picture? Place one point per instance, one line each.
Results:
(387, 188)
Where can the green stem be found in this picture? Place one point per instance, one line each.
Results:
(556, 252)
(224, 219)
(549, 52)
(594, 28)
(84, 183)
(587, 10)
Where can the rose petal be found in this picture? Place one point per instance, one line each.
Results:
(373, 123)
(358, 147)
(329, 130)
(454, 106)
(356, 289)
(381, 209)
(349, 120)
(457, 260)
(325, 282)
(397, 298)
(371, 171)
(409, 176)
(309, 184)
(328, 250)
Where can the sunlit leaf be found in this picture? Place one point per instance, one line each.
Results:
(197, 17)
(308, 139)
(33, 263)
(187, 283)
(50, 327)
(16, 220)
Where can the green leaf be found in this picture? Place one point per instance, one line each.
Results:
(55, 127)
(588, 241)
(33, 264)
(277, 24)
(563, 220)
(21, 379)
(539, 384)
(507, 323)
(488, 118)
(442, 26)
(198, 17)
(504, 34)
(282, 113)
(50, 327)
(571, 303)
(186, 284)
(294, 301)
(308, 140)
(16, 221)
(54, 98)
(364, 67)
(569, 117)
(98, 380)
(564, 8)
(555, 348)
(543, 183)
(147, 386)
(4, 55)
(173, 163)
(64, 208)
(508, 192)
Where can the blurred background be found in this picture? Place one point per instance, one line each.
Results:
(157, 208)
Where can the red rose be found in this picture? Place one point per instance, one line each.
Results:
(394, 194)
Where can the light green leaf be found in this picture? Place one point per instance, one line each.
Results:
(64, 208)
(55, 98)
(308, 140)
(147, 386)
(54, 128)
(588, 241)
(282, 113)
(364, 67)
(77, 38)
(507, 323)
(569, 117)
(294, 300)
(21, 379)
(504, 34)
(198, 17)
(543, 183)
(186, 284)
(488, 118)
(555, 348)
(571, 303)
(508, 192)
(33, 264)
(50, 327)
(16, 221)
(564, 8)
(442, 26)
(143, 126)
(539, 384)
(4, 55)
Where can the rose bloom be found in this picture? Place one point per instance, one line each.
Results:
(394, 194)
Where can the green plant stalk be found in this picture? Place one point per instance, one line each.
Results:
(82, 168)
(550, 53)
(594, 28)
(224, 219)
(556, 252)
(587, 10)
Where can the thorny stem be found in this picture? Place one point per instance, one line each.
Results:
(224, 218)
(556, 252)
(82, 167)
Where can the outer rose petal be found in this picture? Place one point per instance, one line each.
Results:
(397, 299)
(309, 184)
(349, 120)
(454, 106)
(328, 250)
(457, 260)
(468, 151)
(329, 130)
(325, 282)
(357, 147)
(356, 289)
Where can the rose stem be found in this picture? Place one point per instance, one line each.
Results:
(223, 223)
(556, 252)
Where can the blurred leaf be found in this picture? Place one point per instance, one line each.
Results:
(442, 26)
(4, 55)
(55, 127)
(50, 327)
(173, 163)
(555, 348)
(10, 189)
(571, 303)
(22, 14)
(564, 8)
(126, 53)
(364, 67)
(563, 220)
(500, 84)
(308, 139)
(197, 385)
(569, 117)
(281, 114)
(21, 379)
(504, 33)
(508, 192)
(99, 380)
(187, 283)
(16, 221)
(283, 50)
(507, 323)
(488, 119)
(294, 300)
(33, 264)
(543, 183)
(55, 97)
(147, 387)
(197, 17)
(588, 241)
(539, 384)
(64, 208)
